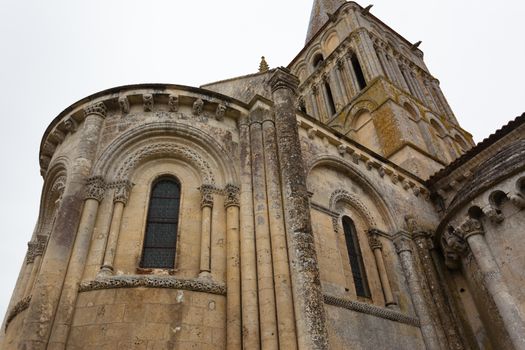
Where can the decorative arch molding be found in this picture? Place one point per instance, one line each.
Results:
(203, 142)
(341, 164)
(356, 110)
(164, 149)
(342, 195)
(403, 100)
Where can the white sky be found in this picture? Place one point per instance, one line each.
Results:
(53, 53)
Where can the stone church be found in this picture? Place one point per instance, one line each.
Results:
(335, 203)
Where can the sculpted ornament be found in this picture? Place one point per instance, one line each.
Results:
(123, 102)
(220, 112)
(232, 196)
(207, 195)
(95, 188)
(470, 227)
(122, 189)
(147, 100)
(173, 103)
(517, 200)
(493, 214)
(402, 244)
(373, 239)
(454, 246)
(70, 124)
(198, 106)
(96, 109)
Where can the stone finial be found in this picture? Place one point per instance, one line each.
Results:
(122, 191)
(96, 109)
(95, 188)
(283, 79)
(263, 66)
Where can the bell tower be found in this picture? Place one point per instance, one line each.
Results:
(363, 79)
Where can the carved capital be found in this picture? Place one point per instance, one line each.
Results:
(411, 224)
(493, 214)
(122, 189)
(340, 64)
(207, 195)
(147, 101)
(315, 89)
(198, 106)
(373, 239)
(123, 102)
(30, 254)
(470, 227)
(454, 246)
(96, 109)
(402, 244)
(173, 103)
(283, 79)
(95, 188)
(220, 112)
(232, 196)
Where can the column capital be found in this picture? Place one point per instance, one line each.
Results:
(283, 79)
(454, 246)
(373, 239)
(96, 109)
(207, 195)
(232, 196)
(95, 188)
(470, 227)
(402, 244)
(122, 189)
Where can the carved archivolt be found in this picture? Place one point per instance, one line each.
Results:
(353, 200)
(167, 150)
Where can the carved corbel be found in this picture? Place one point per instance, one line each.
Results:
(173, 103)
(70, 124)
(58, 135)
(493, 214)
(98, 108)
(517, 200)
(220, 112)
(124, 104)
(470, 227)
(373, 239)
(198, 106)
(147, 100)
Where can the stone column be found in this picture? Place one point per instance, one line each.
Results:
(321, 106)
(424, 245)
(419, 89)
(250, 306)
(95, 189)
(315, 106)
(306, 286)
(472, 231)
(37, 249)
(353, 77)
(281, 269)
(406, 75)
(340, 78)
(367, 56)
(233, 272)
(206, 211)
(41, 312)
(402, 81)
(120, 199)
(266, 290)
(439, 95)
(385, 63)
(377, 248)
(404, 250)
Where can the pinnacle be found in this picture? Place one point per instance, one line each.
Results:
(321, 9)
(263, 66)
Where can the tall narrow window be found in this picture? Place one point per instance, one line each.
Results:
(356, 259)
(358, 72)
(161, 229)
(330, 98)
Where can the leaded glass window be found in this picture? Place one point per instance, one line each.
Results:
(160, 240)
(356, 259)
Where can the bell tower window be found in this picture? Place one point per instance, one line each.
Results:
(356, 259)
(361, 82)
(160, 241)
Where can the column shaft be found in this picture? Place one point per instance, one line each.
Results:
(267, 315)
(383, 276)
(77, 263)
(281, 270)
(233, 276)
(111, 247)
(250, 307)
(205, 267)
(306, 286)
(41, 312)
(404, 250)
(498, 289)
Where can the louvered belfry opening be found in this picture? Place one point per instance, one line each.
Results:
(160, 241)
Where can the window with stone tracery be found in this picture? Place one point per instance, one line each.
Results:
(160, 241)
(355, 258)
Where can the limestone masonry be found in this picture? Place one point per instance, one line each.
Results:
(333, 204)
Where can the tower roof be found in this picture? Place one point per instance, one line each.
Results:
(320, 11)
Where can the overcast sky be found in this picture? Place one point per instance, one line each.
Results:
(55, 52)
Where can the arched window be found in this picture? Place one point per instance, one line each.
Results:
(356, 259)
(161, 229)
(317, 61)
(358, 72)
(330, 98)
